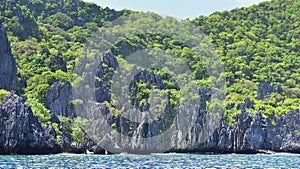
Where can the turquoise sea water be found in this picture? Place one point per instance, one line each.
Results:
(152, 161)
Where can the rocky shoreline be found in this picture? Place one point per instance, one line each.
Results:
(256, 134)
(21, 133)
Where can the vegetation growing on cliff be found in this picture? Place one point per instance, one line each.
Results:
(3, 93)
(259, 44)
(256, 44)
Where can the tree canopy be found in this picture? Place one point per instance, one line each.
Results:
(255, 45)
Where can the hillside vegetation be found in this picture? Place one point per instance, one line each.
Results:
(256, 44)
(259, 44)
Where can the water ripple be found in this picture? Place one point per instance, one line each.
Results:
(281, 160)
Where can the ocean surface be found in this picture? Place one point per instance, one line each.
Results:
(281, 160)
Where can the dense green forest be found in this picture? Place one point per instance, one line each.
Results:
(255, 44)
(259, 44)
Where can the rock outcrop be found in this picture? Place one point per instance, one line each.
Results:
(189, 128)
(102, 87)
(21, 132)
(193, 132)
(250, 134)
(7, 64)
(58, 100)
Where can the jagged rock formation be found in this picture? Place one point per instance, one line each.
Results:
(196, 131)
(20, 131)
(58, 99)
(103, 86)
(7, 63)
(251, 133)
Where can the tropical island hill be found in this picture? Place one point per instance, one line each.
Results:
(41, 41)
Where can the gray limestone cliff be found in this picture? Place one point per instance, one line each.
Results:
(132, 130)
(21, 132)
(197, 131)
(58, 99)
(8, 68)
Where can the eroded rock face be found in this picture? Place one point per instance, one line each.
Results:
(7, 64)
(103, 86)
(58, 99)
(20, 131)
(249, 134)
(192, 128)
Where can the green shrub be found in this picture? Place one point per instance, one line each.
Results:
(57, 130)
(39, 110)
(74, 126)
(78, 128)
(3, 93)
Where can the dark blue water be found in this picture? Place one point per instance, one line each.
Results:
(152, 161)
